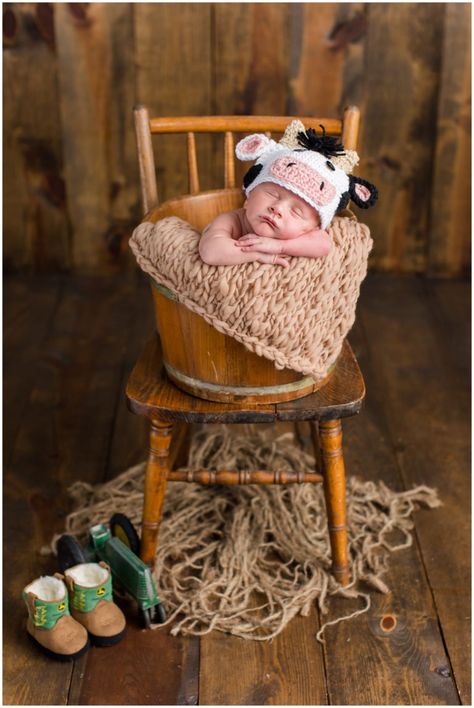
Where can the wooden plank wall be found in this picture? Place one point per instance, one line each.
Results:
(73, 71)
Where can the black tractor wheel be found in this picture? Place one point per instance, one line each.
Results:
(159, 616)
(145, 618)
(69, 552)
(122, 528)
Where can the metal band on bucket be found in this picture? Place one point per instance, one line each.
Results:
(198, 384)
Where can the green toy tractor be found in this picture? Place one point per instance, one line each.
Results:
(118, 546)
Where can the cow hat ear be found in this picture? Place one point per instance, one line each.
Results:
(254, 146)
(364, 194)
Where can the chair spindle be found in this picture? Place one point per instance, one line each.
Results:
(243, 476)
(350, 127)
(229, 165)
(146, 160)
(192, 165)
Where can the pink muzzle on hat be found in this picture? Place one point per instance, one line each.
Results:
(303, 178)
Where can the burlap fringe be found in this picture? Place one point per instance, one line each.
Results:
(247, 559)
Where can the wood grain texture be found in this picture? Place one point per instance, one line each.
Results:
(24, 330)
(349, 36)
(340, 397)
(431, 432)
(156, 473)
(193, 173)
(173, 46)
(30, 485)
(84, 44)
(398, 130)
(289, 670)
(411, 648)
(149, 668)
(97, 128)
(398, 642)
(449, 243)
(35, 227)
(199, 210)
(72, 193)
(214, 365)
(121, 154)
(49, 454)
(146, 159)
(314, 44)
(131, 432)
(233, 477)
(254, 79)
(155, 668)
(450, 312)
(334, 480)
(150, 393)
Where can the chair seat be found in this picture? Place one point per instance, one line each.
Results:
(149, 392)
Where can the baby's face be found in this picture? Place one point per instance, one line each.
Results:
(276, 212)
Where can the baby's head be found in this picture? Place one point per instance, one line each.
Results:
(314, 168)
(274, 211)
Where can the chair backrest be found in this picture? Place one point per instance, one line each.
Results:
(347, 129)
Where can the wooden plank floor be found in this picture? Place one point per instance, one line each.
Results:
(69, 344)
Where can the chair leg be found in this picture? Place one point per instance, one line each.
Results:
(327, 436)
(155, 487)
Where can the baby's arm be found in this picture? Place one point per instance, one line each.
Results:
(216, 246)
(313, 244)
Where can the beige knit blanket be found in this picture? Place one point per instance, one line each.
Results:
(298, 316)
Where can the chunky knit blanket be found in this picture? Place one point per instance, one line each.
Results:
(298, 316)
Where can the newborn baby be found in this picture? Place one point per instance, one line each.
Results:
(272, 224)
(292, 193)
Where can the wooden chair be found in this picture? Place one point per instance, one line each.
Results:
(151, 392)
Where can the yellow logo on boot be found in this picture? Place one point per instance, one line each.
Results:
(79, 600)
(40, 616)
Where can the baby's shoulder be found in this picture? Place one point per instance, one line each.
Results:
(230, 221)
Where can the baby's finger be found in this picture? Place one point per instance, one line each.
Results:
(282, 261)
(247, 241)
(249, 248)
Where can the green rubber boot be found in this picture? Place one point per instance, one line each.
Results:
(92, 605)
(49, 624)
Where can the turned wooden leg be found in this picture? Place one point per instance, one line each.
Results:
(155, 487)
(327, 436)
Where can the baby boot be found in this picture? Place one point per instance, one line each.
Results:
(49, 623)
(90, 599)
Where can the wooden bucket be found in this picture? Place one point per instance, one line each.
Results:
(199, 359)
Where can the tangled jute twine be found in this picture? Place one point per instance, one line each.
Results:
(297, 316)
(247, 559)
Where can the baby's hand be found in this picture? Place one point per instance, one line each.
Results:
(263, 244)
(273, 259)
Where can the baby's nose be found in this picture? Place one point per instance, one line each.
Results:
(275, 210)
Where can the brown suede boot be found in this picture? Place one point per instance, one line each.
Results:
(90, 598)
(49, 623)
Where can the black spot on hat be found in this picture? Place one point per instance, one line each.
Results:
(252, 174)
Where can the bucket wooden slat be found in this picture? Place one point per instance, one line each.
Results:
(198, 358)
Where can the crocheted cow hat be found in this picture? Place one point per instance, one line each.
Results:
(315, 167)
